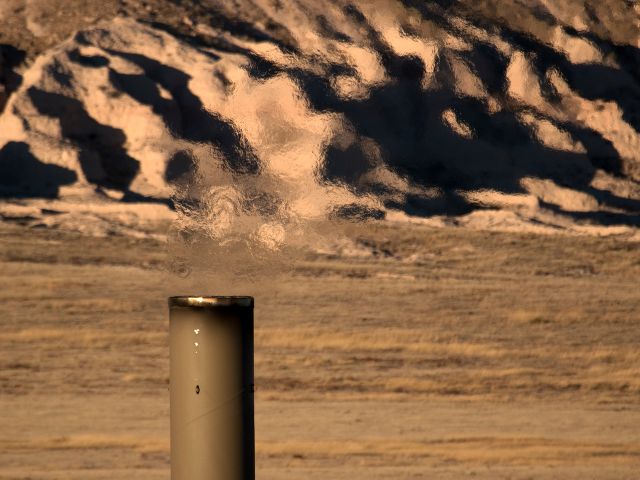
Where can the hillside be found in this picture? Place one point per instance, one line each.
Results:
(488, 114)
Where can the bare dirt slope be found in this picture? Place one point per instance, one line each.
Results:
(442, 354)
(500, 114)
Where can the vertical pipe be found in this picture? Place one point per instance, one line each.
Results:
(211, 363)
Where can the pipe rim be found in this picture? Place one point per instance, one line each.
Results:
(210, 301)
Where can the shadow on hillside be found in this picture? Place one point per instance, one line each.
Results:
(590, 81)
(102, 156)
(184, 114)
(10, 58)
(620, 84)
(406, 123)
(22, 175)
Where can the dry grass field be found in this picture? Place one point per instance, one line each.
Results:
(442, 353)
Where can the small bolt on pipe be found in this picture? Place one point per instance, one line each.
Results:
(211, 388)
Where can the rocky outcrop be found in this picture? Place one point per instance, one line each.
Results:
(406, 110)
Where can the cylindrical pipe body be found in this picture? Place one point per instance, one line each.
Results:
(211, 384)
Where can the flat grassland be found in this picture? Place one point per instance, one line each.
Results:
(442, 354)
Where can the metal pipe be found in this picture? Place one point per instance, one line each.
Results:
(211, 384)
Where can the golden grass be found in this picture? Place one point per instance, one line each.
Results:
(142, 444)
(478, 450)
(493, 450)
(375, 340)
(83, 337)
(483, 322)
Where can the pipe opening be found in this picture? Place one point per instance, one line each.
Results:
(209, 301)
